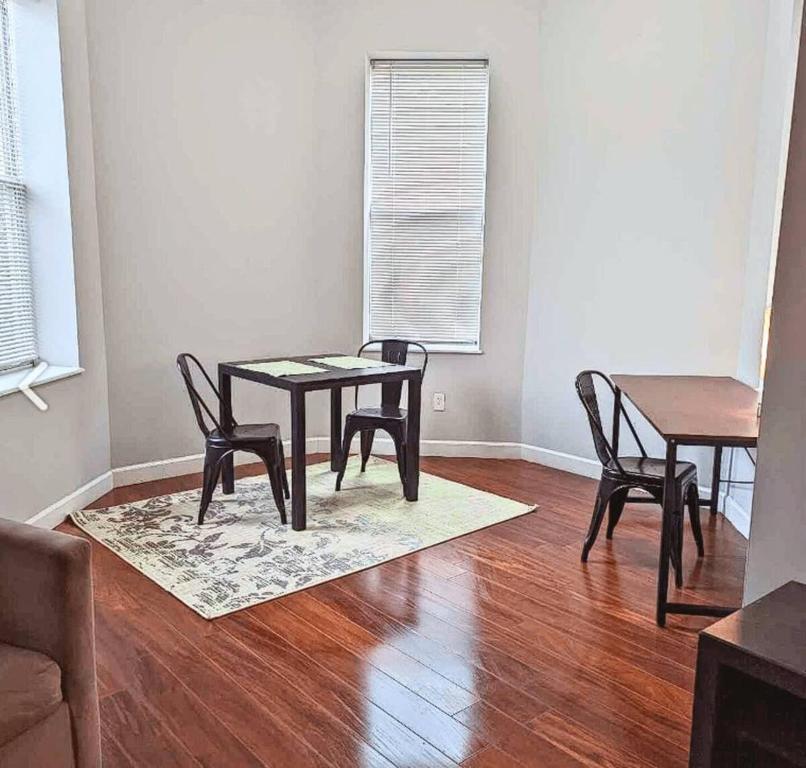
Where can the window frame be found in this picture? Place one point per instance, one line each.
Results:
(44, 146)
(16, 183)
(432, 347)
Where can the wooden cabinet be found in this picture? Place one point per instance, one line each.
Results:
(750, 696)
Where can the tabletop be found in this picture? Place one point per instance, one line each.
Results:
(698, 410)
(329, 376)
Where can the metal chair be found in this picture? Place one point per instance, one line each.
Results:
(264, 440)
(389, 416)
(622, 474)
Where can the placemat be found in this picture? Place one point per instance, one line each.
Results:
(347, 362)
(282, 368)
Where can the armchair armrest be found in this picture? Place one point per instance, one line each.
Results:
(46, 606)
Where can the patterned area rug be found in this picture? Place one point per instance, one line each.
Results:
(242, 555)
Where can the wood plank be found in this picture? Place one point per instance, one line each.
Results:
(429, 649)
(595, 750)
(426, 683)
(508, 616)
(159, 691)
(572, 690)
(512, 738)
(112, 754)
(492, 757)
(141, 736)
(331, 659)
(380, 730)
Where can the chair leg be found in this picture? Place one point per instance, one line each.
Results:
(694, 515)
(400, 449)
(276, 482)
(283, 472)
(398, 438)
(677, 538)
(270, 456)
(616, 505)
(367, 436)
(349, 434)
(212, 471)
(678, 570)
(602, 497)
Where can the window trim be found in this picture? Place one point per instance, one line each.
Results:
(437, 348)
(44, 137)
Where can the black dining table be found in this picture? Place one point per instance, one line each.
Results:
(327, 378)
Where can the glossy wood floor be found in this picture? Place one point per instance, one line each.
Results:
(496, 649)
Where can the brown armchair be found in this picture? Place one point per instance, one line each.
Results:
(48, 693)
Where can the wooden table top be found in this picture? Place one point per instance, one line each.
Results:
(695, 410)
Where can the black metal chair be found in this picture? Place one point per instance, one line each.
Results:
(389, 416)
(622, 474)
(264, 440)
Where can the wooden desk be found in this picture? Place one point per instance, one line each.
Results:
(713, 411)
(750, 694)
(333, 379)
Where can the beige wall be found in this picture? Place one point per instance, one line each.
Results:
(47, 456)
(778, 530)
(648, 114)
(483, 392)
(204, 140)
(229, 154)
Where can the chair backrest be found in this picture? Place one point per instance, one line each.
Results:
(200, 407)
(393, 351)
(605, 450)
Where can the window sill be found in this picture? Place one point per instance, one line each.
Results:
(451, 349)
(10, 382)
(436, 349)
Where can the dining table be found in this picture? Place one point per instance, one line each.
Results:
(711, 411)
(300, 375)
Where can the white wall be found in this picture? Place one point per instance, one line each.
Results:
(778, 528)
(228, 151)
(483, 392)
(775, 114)
(204, 142)
(229, 154)
(648, 117)
(49, 455)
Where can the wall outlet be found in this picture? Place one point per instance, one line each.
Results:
(439, 401)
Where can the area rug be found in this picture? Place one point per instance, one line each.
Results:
(242, 555)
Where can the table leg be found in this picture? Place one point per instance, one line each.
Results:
(335, 429)
(298, 500)
(667, 521)
(715, 479)
(225, 419)
(412, 485)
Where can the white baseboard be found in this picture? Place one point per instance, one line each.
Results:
(466, 448)
(737, 516)
(567, 462)
(188, 465)
(185, 465)
(57, 513)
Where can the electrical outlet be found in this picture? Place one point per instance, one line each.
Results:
(439, 401)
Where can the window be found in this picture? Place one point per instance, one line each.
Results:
(425, 176)
(17, 320)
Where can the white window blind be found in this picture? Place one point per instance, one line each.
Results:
(17, 328)
(425, 181)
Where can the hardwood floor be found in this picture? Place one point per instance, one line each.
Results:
(496, 649)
